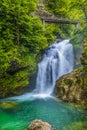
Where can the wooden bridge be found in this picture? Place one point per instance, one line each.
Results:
(57, 20)
(50, 18)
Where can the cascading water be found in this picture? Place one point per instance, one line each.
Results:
(57, 61)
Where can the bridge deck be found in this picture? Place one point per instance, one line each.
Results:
(55, 20)
(51, 18)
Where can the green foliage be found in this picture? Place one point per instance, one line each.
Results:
(58, 7)
(61, 10)
(21, 38)
(75, 10)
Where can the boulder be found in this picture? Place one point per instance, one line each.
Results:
(39, 125)
(72, 87)
(9, 105)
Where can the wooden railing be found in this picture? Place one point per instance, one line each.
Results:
(56, 20)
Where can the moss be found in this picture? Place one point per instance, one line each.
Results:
(68, 82)
(76, 126)
(9, 105)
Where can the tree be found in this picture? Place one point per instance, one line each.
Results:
(21, 38)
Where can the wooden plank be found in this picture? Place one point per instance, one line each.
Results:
(62, 21)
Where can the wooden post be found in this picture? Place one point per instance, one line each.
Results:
(43, 24)
(78, 25)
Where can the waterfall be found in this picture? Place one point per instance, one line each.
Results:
(57, 61)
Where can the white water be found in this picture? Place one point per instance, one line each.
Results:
(57, 61)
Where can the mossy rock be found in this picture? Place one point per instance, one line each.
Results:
(9, 105)
(76, 126)
(72, 87)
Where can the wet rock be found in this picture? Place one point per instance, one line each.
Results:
(77, 126)
(39, 125)
(65, 87)
(72, 87)
(84, 55)
(9, 105)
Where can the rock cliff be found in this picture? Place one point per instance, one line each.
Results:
(72, 87)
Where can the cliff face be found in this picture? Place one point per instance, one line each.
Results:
(84, 55)
(73, 86)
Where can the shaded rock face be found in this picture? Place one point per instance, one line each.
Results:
(39, 125)
(5, 92)
(73, 86)
(84, 55)
(42, 12)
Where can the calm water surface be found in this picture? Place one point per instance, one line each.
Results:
(58, 114)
